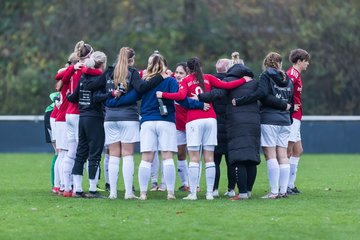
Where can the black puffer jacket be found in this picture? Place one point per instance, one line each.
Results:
(243, 122)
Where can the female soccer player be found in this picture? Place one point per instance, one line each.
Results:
(201, 129)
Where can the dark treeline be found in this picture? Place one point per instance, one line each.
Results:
(37, 36)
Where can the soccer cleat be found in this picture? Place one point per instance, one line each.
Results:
(191, 196)
(162, 188)
(78, 194)
(68, 194)
(238, 197)
(154, 187)
(283, 195)
(107, 187)
(98, 189)
(230, 193)
(55, 190)
(171, 196)
(293, 191)
(143, 196)
(131, 196)
(113, 196)
(270, 195)
(249, 194)
(184, 188)
(215, 193)
(92, 194)
(209, 196)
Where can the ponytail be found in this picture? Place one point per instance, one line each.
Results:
(121, 71)
(274, 60)
(194, 66)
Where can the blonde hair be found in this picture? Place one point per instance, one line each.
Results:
(96, 60)
(125, 56)
(155, 66)
(235, 58)
(72, 59)
(222, 65)
(273, 60)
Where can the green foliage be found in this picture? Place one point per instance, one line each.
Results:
(37, 37)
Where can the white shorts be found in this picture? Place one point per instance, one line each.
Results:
(181, 137)
(53, 129)
(61, 136)
(295, 135)
(201, 132)
(72, 127)
(274, 135)
(121, 131)
(158, 135)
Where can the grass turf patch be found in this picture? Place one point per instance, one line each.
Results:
(328, 208)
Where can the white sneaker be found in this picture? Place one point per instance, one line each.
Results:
(230, 193)
(143, 196)
(249, 194)
(130, 196)
(113, 196)
(270, 195)
(191, 196)
(162, 188)
(209, 196)
(215, 193)
(171, 196)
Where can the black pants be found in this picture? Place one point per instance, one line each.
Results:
(91, 143)
(230, 172)
(245, 175)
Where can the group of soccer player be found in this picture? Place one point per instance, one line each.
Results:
(97, 108)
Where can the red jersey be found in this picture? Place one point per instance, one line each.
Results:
(58, 77)
(297, 82)
(72, 78)
(63, 103)
(190, 86)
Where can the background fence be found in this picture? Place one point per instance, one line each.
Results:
(320, 134)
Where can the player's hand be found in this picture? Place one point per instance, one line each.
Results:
(159, 94)
(296, 107)
(206, 106)
(248, 79)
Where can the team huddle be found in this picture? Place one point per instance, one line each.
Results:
(185, 113)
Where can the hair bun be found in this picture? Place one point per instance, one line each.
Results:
(235, 55)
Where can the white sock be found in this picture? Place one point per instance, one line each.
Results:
(193, 176)
(93, 183)
(68, 164)
(273, 175)
(144, 175)
(162, 180)
(61, 168)
(106, 167)
(169, 174)
(210, 176)
(78, 183)
(183, 172)
(128, 173)
(284, 177)
(57, 172)
(294, 161)
(155, 168)
(113, 173)
(200, 170)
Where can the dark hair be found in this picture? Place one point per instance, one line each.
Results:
(299, 54)
(194, 66)
(182, 64)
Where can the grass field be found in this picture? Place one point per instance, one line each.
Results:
(328, 208)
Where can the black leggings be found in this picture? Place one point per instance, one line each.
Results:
(230, 173)
(91, 143)
(245, 175)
